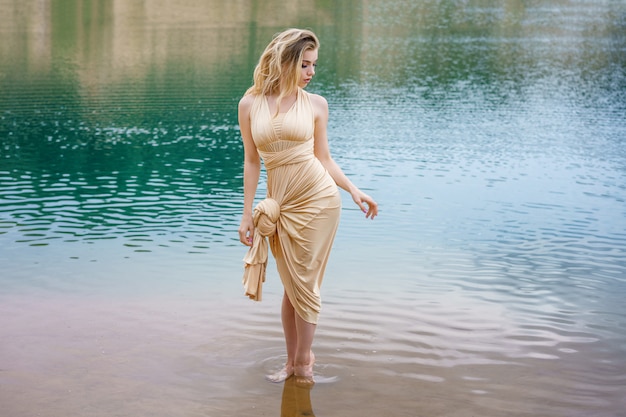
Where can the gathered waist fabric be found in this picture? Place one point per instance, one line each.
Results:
(295, 154)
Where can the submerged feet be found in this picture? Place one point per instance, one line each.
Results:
(281, 375)
(303, 373)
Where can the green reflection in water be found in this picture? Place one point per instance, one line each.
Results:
(121, 113)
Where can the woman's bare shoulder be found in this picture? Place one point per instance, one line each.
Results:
(246, 102)
(317, 99)
(318, 102)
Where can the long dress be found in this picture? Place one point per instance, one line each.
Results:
(302, 207)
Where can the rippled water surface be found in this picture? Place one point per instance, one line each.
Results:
(491, 133)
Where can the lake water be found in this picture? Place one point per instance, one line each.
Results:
(492, 283)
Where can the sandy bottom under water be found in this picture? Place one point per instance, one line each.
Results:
(187, 354)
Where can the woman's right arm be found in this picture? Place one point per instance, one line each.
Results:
(251, 171)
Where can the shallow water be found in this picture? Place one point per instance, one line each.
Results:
(491, 284)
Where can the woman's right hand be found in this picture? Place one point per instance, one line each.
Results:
(246, 229)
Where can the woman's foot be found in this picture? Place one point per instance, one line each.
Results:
(304, 373)
(281, 375)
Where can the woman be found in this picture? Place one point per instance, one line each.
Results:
(286, 127)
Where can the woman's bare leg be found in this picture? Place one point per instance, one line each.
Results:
(304, 359)
(288, 315)
(298, 340)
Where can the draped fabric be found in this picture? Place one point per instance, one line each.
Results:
(265, 217)
(302, 214)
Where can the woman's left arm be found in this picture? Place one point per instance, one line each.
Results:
(322, 152)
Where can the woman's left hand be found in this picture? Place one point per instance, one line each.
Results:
(365, 203)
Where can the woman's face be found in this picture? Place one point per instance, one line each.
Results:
(309, 62)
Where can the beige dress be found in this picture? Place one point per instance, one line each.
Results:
(301, 212)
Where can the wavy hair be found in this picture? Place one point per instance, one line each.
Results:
(278, 70)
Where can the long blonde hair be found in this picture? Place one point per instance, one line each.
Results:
(278, 70)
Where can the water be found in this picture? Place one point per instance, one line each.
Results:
(491, 284)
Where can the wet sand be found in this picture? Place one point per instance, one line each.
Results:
(197, 355)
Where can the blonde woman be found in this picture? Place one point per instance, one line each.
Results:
(286, 127)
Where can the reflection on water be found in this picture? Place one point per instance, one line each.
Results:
(492, 135)
(296, 400)
(126, 183)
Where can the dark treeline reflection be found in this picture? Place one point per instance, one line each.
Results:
(130, 63)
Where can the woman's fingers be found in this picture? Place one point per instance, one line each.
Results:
(246, 240)
(245, 236)
(372, 211)
(367, 206)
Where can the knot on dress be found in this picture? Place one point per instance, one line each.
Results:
(265, 218)
(266, 214)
